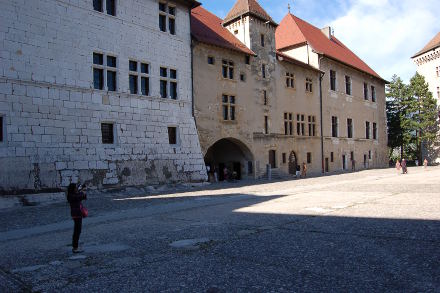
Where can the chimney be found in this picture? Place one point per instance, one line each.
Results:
(327, 31)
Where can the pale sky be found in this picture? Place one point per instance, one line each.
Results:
(383, 33)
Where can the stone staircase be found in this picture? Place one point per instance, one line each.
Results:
(277, 174)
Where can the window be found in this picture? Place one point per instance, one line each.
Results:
(348, 85)
(351, 156)
(437, 71)
(349, 128)
(265, 101)
(300, 125)
(1, 130)
(211, 60)
(309, 84)
(228, 69)
(332, 157)
(373, 93)
(138, 78)
(365, 91)
(168, 77)
(438, 93)
(263, 70)
(242, 77)
(109, 6)
(288, 123)
(107, 131)
(247, 59)
(283, 155)
(290, 80)
(367, 130)
(309, 158)
(262, 40)
(100, 70)
(333, 80)
(334, 126)
(369, 155)
(312, 125)
(167, 12)
(172, 135)
(228, 107)
(374, 130)
(266, 124)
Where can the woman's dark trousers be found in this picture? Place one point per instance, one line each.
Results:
(76, 232)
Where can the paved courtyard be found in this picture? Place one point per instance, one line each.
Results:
(371, 231)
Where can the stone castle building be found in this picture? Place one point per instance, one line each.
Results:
(271, 96)
(98, 92)
(427, 61)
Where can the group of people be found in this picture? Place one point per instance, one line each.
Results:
(402, 167)
(301, 173)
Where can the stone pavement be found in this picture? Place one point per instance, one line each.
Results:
(369, 231)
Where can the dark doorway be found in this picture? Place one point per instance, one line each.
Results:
(272, 159)
(237, 170)
(326, 165)
(292, 163)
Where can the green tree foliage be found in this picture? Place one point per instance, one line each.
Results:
(396, 91)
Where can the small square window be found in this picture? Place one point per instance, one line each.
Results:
(173, 73)
(162, 7)
(98, 59)
(172, 135)
(210, 60)
(145, 68)
(111, 61)
(1, 129)
(133, 66)
(107, 133)
(163, 72)
(247, 60)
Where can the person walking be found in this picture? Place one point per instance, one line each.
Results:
(404, 168)
(398, 167)
(304, 171)
(74, 197)
(425, 163)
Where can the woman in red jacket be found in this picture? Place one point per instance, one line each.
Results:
(74, 197)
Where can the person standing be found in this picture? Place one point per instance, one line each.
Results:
(398, 167)
(404, 168)
(425, 163)
(304, 170)
(74, 197)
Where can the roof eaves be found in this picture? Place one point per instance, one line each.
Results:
(425, 51)
(227, 21)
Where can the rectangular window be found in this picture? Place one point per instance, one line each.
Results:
(242, 77)
(133, 79)
(97, 5)
(373, 94)
(332, 158)
(173, 84)
(266, 124)
(262, 40)
(349, 128)
(290, 80)
(333, 80)
(284, 158)
(111, 7)
(369, 155)
(1, 129)
(98, 78)
(374, 130)
(247, 59)
(265, 102)
(365, 91)
(228, 69)
(100, 70)
(309, 85)
(228, 107)
(312, 125)
(168, 80)
(367, 130)
(211, 60)
(288, 123)
(309, 158)
(163, 89)
(172, 135)
(111, 81)
(167, 12)
(107, 131)
(348, 85)
(334, 126)
(263, 70)
(300, 125)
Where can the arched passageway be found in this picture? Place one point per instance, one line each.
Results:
(230, 159)
(293, 162)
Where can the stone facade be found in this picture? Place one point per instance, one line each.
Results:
(52, 114)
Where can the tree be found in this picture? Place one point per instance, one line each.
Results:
(422, 109)
(396, 93)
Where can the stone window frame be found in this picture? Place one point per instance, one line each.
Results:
(140, 75)
(3, 130)
(290, 80)
(374, 130)
(335, 126)
(333, 80)
(228, 67)
(177, 135)
(169, 80)
(348, 85)
(309, 85)
(373, 93)
(104, 7)
(115, 133)
(265, 98)
(105, 69)
(300, 124)
(229, 105)
(311, 121)
(266, 124)
(211, 60)
(288, 123)
(367, 130)
(170, 17)
(366, 98)
(350, 130)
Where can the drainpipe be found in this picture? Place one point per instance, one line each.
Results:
(321, 75)
(192, 68)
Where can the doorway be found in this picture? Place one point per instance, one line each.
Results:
(292, 163)
(272, 159)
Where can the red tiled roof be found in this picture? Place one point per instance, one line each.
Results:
(207, 28)
(294, 31)
(248, 6)
(434, 43)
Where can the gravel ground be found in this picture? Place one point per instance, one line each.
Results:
(370, 231)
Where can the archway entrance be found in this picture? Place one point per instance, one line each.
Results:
(292, 163)
(230, 159)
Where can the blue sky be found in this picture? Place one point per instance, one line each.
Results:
(384, 33)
